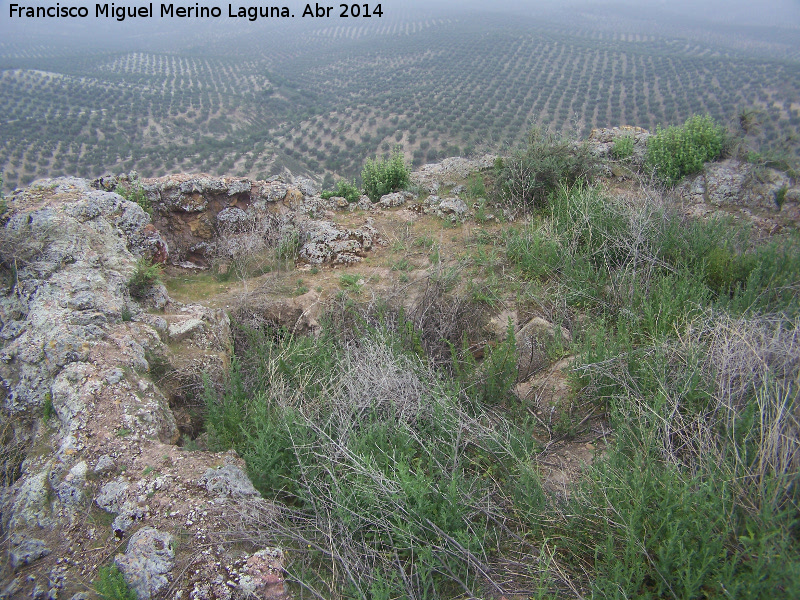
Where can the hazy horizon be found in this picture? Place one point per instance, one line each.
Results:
(782, 15)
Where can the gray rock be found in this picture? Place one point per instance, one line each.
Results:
(181, 330)
(315, 253)
(229, 480)
(115, 375)
(431, 177)
(532, 342)
(392, 200)
(239, 186)
(26, 552)
(724, 181)
(232, 217)
(275, 191)
(453, 206)
(10, 590)
(105, 464)
(734, 182)
(31, 503)
(339, 202)
(112, 496)
(70, 491)
(61, 185)
(129, 513)
(792, 195)
(146, 562)
(307, 186)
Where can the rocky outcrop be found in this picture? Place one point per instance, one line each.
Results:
(206, 219)
(325, 241)
(766, 197)
(449, 172)
(602, 141)
(92, 380)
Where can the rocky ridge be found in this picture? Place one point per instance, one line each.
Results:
(98, 386)
(90, 461)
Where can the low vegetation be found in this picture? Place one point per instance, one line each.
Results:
(111, 584)
(623, 147)
(145, 275)
(530, 175)
(675, 152)
(402, 464)
(344, 189)
(135, 193)
(382, 177)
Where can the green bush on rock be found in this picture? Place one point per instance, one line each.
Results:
(530, 175)
(385, 176)
(146, 275)
(345, 189)
(675, 152)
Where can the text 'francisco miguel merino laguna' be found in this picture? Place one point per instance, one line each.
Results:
(251, 13)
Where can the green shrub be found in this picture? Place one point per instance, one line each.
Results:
(476, 187)
(288, 246)
(780, 196)
(679, 151)
(352, 282)
(145, 275)
(49, 410)
(529, 176)
(385, 176)
(111, 585)
(357, 435)
(693, 499)
(347, 190)
(536, 254)
(623, 147)
(135, 193)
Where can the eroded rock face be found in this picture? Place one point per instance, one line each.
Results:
(325, 241)
(91, 383)
(765, 197)
(449, 171)
(204, 219)
(190, 210)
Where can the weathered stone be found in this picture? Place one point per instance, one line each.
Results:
(70, 490)
(734, 182)
(30, 506)
(293, 198)
(180, 330)
(532, 341)
(67, 345)
(146, 562)
(263, 575)
(112, 496)
(232, 217)
(432, 176)
(228, 480)
(26, 552)
(392, 200)
(453, 206)
(105, 464)
(306, 186)
(128, 514)
(339, 202)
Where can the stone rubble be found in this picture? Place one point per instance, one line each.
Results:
(91, 382)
